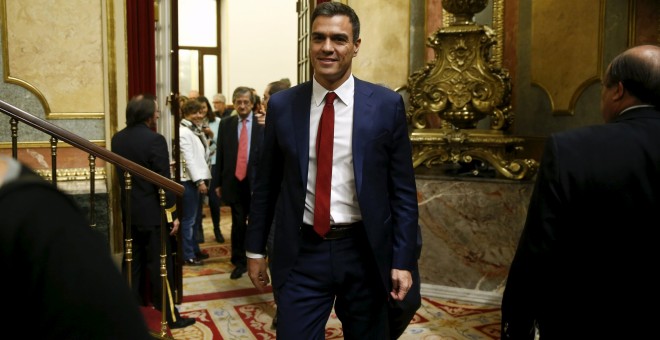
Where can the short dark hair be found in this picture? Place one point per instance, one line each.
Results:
(140, 108)
(639, 76)
(189, 107)
(330, 9)
(277, 86)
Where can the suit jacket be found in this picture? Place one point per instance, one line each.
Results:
(194, 153)
(147, 148)
(228, 151)
(384, 178)
(65, 278)
(590, 227)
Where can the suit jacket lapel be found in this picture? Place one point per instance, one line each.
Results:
(300, 122)
(233, 139)
(363, 118)
(255, 139)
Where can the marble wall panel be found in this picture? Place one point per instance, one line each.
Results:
(57, 48)
(39, 157)
(385, 50)
(470, 230)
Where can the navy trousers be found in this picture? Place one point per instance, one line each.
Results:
(333, 272)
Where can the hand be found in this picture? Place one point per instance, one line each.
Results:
(202, 188)
(261, 117)
(218, 191)
(401, 283)
(208, 132)
(175, 227)
(258, 273)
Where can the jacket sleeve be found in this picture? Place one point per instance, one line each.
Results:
(191, 168)
(529, 273)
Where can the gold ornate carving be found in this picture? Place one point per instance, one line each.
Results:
(498, 28)
(459, 85)
(463, 10)
(73, 174)
(439, 147)
(112, 67)
(462, 86)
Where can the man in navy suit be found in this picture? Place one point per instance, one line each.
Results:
(367, 257)
(140, 143)
(237, 191)
(585, 260)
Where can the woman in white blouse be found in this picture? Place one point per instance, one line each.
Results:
(195, 174)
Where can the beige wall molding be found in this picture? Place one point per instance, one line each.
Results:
(56, 50)
(566, 52)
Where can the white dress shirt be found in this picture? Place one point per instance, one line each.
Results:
(344, 207)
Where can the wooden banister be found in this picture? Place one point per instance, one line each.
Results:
(91, 148)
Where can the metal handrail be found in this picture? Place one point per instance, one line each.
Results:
(91, 148)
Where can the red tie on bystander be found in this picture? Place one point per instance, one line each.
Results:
(241, 159)
(324, 148)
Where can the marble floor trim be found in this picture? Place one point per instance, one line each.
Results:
(462, 294)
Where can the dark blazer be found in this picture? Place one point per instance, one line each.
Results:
(588, 248)
(383, 172)
(227, 152)
(147, 148)
(65, 278)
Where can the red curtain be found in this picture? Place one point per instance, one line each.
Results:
(141, 47)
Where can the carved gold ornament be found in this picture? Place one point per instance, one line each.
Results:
(463, 86)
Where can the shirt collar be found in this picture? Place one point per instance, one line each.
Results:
(247, 119)
(634, 107)
(344, 92)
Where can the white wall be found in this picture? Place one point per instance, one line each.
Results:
(259, 43)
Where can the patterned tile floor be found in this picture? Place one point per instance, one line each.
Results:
(232, 309)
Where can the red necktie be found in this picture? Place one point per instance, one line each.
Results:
(241, 160)
(324, 144)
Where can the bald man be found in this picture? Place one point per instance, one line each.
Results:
(585, 260)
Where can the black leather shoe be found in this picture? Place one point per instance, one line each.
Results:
(181, 323)
(219, 238)
(193, 262)
(237, 272)
(202, 256)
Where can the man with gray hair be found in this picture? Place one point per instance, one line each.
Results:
(220, 106)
